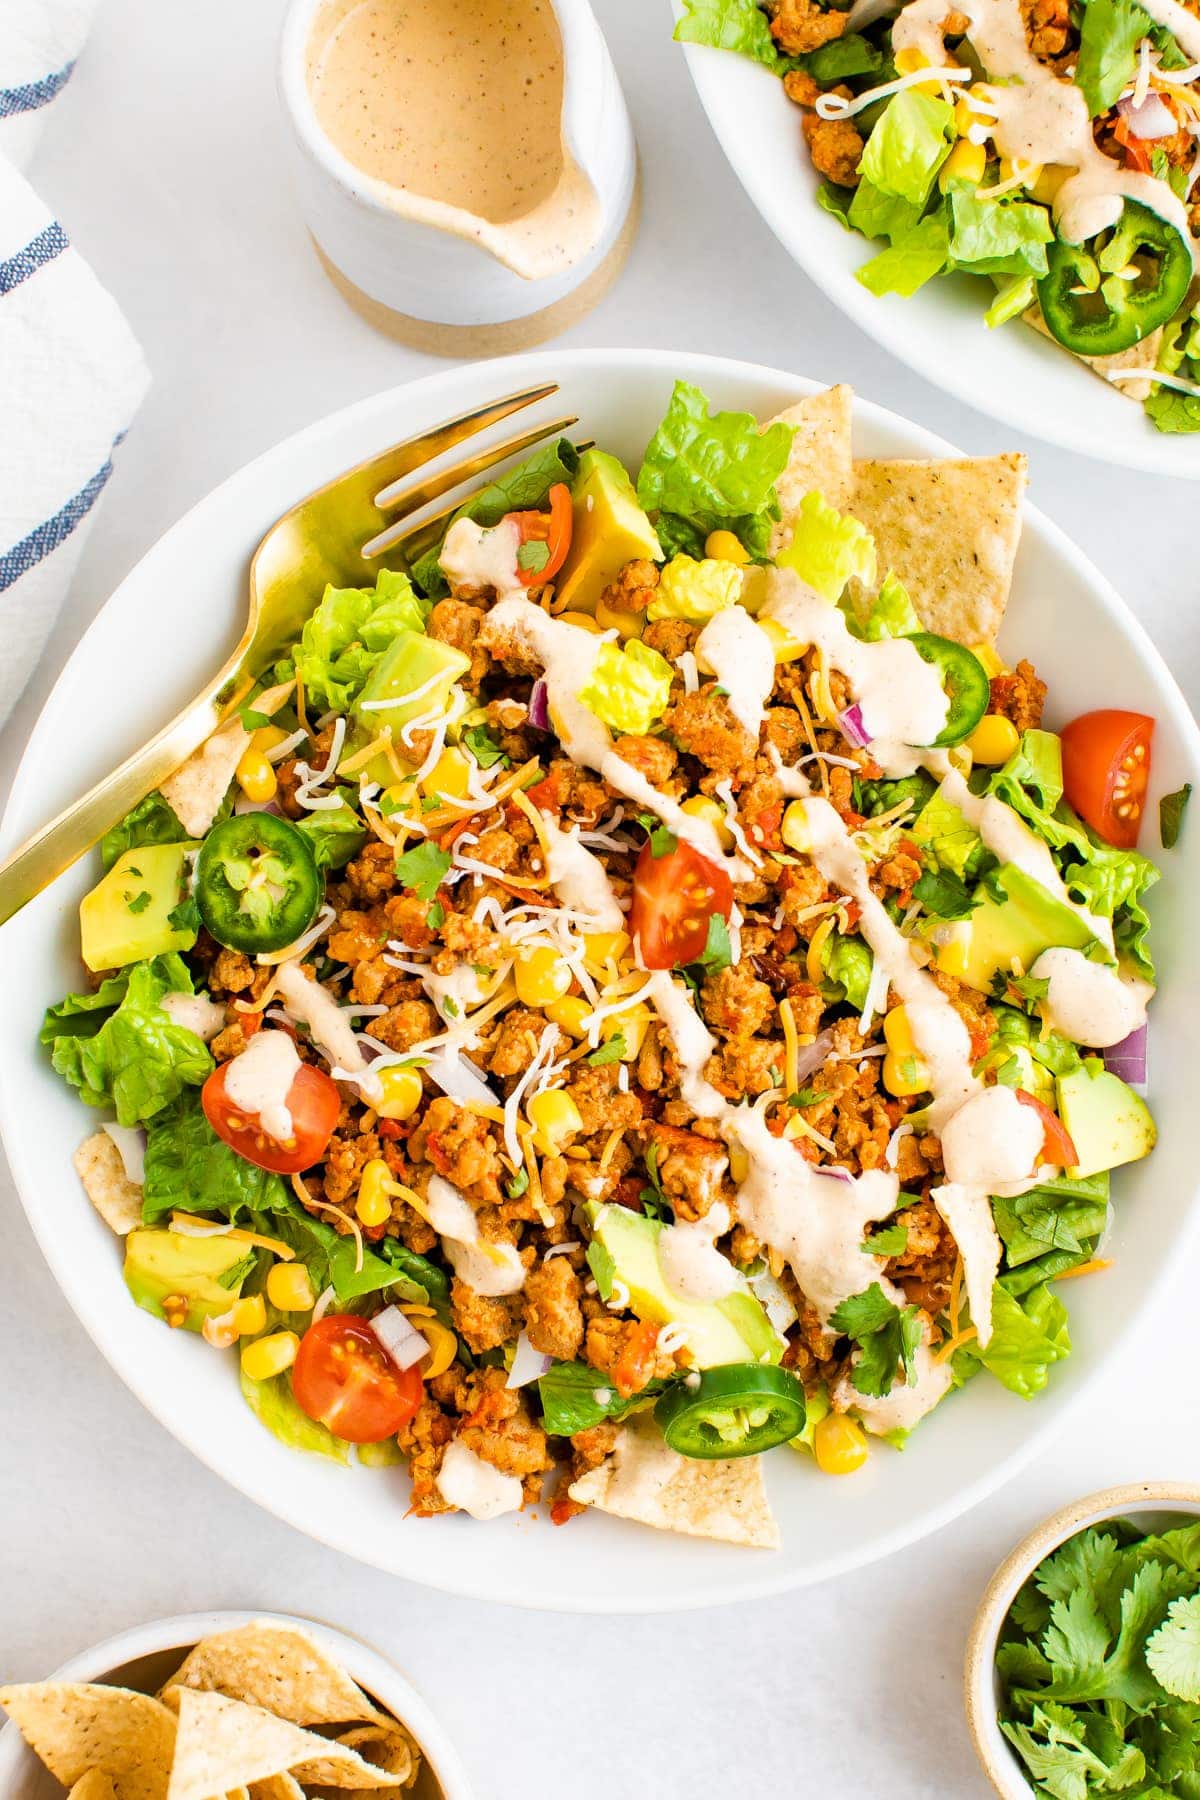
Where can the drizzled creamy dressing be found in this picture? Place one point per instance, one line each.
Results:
(579, 879)
(196, 1013)
(331, 1031)
(904, 1406)
(1042, 118)
(567, 654)
(472, 1485)
(691, 1264)
(741, 656)
(454, 115)
(900, 696)
(478, 556)
(493, 1270)
(463, 988)
(1087, 1002)
(260, 1077)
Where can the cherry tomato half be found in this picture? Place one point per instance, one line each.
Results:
(550, 529)
(312, 1100)
(344, 1378)
(674, 896)
(1106, 765)
(1057, 1147)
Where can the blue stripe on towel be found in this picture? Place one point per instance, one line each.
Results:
(33, 94)
(51, 532)
(39, 250)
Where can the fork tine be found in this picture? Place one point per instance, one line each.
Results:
(413, 498)
(404, 530)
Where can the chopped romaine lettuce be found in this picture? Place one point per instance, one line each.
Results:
(909, 144)
(828, 547)
(998, 237)
(705, 472)
(911, 261)
(890, 614)
(847, 962)
(693, 590)
(348, 633)
(336, 834)
(739, 25)
(1014, 298)
(190, 1169)
(880, 215)
(120, 1049)
(628, 688)
(1028, 1337)
(151, 821)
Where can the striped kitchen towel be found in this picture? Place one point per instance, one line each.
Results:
(71, 377)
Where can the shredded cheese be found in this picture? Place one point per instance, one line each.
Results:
(308, 1201)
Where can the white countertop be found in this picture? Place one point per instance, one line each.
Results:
(165, 160)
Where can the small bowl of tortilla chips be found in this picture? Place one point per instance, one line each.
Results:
(226, 1704)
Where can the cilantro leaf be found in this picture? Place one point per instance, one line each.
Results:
(140, 901)
(423, 869)
(1173, 1652)
(942, 893)
(483, 746)
(609, 1052)
(891, 1241)
(1171, 809)
(533, 556)
(807, 1096)
(888, 1338)
(718, 951)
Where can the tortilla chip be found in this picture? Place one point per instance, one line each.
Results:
(95, 1785)
(645, 1481)
(279, 1667)
(1138, 356)
(117, 1199)
(949, 529)
(198, 786)
(224, 1744)
(79, 1730)
(820, 456)
(388, 1746)
(277, 1787)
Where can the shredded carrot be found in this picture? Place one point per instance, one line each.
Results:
(954, 1343)
(1087, 1268)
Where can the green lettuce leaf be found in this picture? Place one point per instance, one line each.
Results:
(274, 1405)
(1069, 1216)
(847, 962)
(828, 548)
(890, 614)
(523, 489)
(998, 237)
(1028, 1337)
(151, 821)
(628, 687)
(336, 834)
(739, 25)
(911, 261)
(1015, 297)
(707, 471)
(1109, 34)
(841, 59)
(190, 1169)
(120, 1049)
(349, 632)
(910, 142)
(880, 215)
(568, 1393)
(1179, 354)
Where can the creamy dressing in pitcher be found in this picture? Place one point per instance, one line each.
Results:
(456, 112)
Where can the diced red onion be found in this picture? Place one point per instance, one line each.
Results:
(399, 1337)
(835, 1174)
(243, 805)
(528, 1364)
(853, 729)
(1152, 119)
(539, 707)
(1128, 1059)
(811, 1057)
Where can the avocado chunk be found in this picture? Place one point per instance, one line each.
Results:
(1109, 1124)
(127, 916)
(166, 1265)
(610, 530)
(416, 673)
(1027, 921)
(624, 1249)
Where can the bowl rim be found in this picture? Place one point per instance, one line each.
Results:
(995, 1758)
(1152, 455)
(370, 1667)
(762, 1578)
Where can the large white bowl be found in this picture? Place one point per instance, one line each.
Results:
(1013, 373)
(169, 621)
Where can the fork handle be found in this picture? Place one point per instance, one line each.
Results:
(63, 841)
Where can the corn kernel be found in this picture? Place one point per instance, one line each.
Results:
(994, 739)
(1052, 177)
(555, 1119)
(401, 797)
(897, 1030)
(401, 1093)
(585, 621)
(739, 1163)
(786, 647)
(611, 618)
(965, 116)
(909, 60)
(992, 662)
(268, 738)
(839, 1444)
(249, 1315)
(794, 829)
(700, 806)
(966, 162)
(374, 1205)
(632, 1026)
(268, 1356)
(904, 1075)
(571, 1014)
(602, 947)
(289, 1289)
(541, 975)
(256, 777)
(723, 546)
(450, 775)
(952, 956)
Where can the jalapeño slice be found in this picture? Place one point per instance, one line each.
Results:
(965, 680)
(1107, 294)
(736, 1409)
(257, 883)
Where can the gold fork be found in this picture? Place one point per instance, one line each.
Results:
(326, 537)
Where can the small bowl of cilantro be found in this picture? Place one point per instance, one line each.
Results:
(1083, 1666)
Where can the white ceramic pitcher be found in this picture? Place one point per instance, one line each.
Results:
(448, 280)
